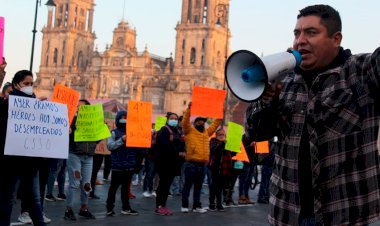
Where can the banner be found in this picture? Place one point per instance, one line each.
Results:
(160, 122)
(90, 125)
(208, 102)
(37, 128)
(2, 31)
(139, 124)
(234, 137)
(70, 97)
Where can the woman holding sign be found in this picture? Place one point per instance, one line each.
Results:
(14, 169)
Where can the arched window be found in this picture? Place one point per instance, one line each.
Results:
(192, 56)
(80, 59)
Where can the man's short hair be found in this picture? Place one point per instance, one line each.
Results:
(330, 18)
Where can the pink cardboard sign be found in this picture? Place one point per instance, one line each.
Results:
(1, 39)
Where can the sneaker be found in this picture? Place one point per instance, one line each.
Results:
(69, 215)
(154, 194)
(212, 207)
(199, 210)
(161, 211)
(147, 194)
(87, 214)
(61, 197)
(93, 196)
(169, 212)
(130, 212)
(184, 209)
(25, 218)
(50, 197)
(111, 213)
(46, 219)
(220, 208)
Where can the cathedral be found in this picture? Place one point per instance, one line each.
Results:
(121, 71)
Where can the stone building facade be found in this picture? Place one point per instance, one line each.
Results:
(121, 71)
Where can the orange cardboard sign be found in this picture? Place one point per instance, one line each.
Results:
(242, 155)
(139, 124)
(208, 102)
(70, 97)
(262, 147)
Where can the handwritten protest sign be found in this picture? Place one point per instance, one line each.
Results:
(262, 147)
(67, 96)
(2, 23)
(234, 137)
(37, 128)
(208, 102)
(242, 155)
(139, 124)
(160, 122)
(90, 125)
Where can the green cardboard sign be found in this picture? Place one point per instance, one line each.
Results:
(234, 137)
(90, 125)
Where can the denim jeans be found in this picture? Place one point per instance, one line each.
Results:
(194, 175)
(57, 171)
(150, 172)
(8, 189)
(245, 179)
(79, 169)
(266, 172)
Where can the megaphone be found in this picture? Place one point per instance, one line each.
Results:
(248, 75)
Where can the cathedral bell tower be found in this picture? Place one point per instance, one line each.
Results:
(202, 47)
(67, 46)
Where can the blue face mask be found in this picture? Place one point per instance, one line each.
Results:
(122, 121)
(173, 122)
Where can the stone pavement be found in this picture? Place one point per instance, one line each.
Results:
(253, 215)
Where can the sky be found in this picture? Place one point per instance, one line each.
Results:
(263, 27)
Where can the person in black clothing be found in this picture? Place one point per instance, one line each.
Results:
(170, 151)
(220, 166)
(14, 169)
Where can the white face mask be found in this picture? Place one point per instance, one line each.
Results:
(27, 90)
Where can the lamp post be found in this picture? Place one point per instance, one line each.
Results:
(50, 4)
(222, 12)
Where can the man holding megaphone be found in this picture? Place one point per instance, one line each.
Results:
(326, 117)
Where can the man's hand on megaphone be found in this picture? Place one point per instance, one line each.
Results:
(273, 90)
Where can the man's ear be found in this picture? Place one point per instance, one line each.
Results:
(337, 38)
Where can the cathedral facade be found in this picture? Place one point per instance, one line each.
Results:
(122, 72)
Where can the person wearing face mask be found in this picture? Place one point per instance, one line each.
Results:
(14, 169)
(170, 151)
(124, 161)
(197, 155)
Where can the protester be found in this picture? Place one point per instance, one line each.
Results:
(177, 185)
(7, 88)
(220, 166)
(197, 156)
(246, 175)
(170, 151)
(326, 118)
(14, 169)
(79, 169)
(266, 172)
(57, 173)
(124, 163)
(150, 167)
